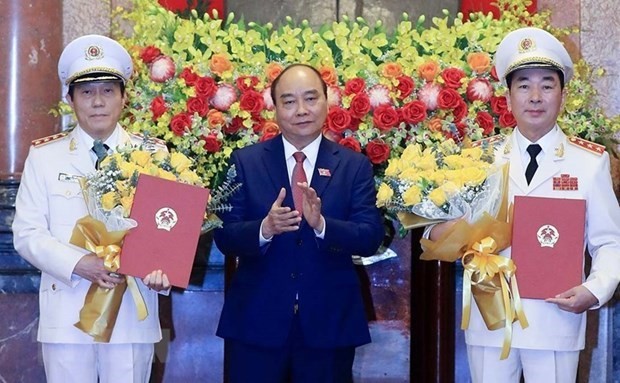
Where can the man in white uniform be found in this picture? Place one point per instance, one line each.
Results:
(94, 70)
(535, 66)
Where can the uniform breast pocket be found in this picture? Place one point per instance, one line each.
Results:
(66, 203)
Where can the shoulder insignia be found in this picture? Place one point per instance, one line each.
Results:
(155, 140)
(46, 140)
(591, 147)
(493, 141)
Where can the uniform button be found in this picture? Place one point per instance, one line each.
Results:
(53, 287)
(68, 193)
(293, 275)
(299, 242)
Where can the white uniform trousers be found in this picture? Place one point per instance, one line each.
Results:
(537, 366)
(98, 362)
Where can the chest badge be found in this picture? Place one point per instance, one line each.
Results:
(565, 182)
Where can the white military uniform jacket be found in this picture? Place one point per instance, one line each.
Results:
(48, 204)
(549, 327)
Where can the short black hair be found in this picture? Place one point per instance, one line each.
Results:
(73, 84)
(510, 75)
(275, 82)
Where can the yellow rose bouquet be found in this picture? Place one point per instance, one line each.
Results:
(109, 194)
(440, 182)
(447, 182)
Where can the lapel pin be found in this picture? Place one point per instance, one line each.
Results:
(324, 172)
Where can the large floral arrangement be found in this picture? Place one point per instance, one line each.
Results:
(202, 83)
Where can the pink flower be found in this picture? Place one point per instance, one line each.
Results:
(479, 89)
(379, 95)
(224, 97)
(334, 96)
(162, 69)
(429, 94)
(267, 99)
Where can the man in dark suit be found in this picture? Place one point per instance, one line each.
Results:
(293, 309)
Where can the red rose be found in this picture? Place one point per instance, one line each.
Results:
(189, 76)
(448, 98)
(158, 107)
(499, 105)
(257, 127)
(360, 105)
(252, 101)
(460, 111)
(338, 119)
(212, 144)
(246, 83)
(234, 127)
(507, 120)
(405, 86)
(377, 151)
(205, 87)
(413, 112)
(149, 54)
(180, 123)
(197, 105)
(354, 86)
(330, 134)
(485, 121)
(479, 89)
(162, 69)
(178, 5)
(351, 143)
(452, 77)
(385, 117)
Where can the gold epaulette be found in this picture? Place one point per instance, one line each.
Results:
(155, 140)
(493, 140)
(46, 140)
(590, 146)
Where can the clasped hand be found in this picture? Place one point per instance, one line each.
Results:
(91, 267)
(281, 219)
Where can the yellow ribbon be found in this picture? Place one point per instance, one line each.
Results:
(483, 271)
(101, 306)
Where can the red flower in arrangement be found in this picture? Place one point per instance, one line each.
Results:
(251, 101)
(158, 107)
(177, 5)
(247, 82)
(405, 86)
(460, 111)
(499, 105)
(205, 86)
(414, 112)
(377, 151)
(189, 76)
(334, 96)
(149, 54)
(351, 143)
(235, 125)
(452, 77)
(448, 99)
(212, 144)
(162, 69)
(507, 120)
(485, 120)
(338, 119)
(360, 105)
(224, 97)
(354, 86)
(181, 123)
(385, 117)
(197, 105)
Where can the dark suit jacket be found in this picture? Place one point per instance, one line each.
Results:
(258, 308)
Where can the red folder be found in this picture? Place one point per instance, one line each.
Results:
(169, 216)
(547, 245)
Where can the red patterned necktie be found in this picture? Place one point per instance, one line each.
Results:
(299, 175)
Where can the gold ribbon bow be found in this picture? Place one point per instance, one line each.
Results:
(101, 306)
(485, 274)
